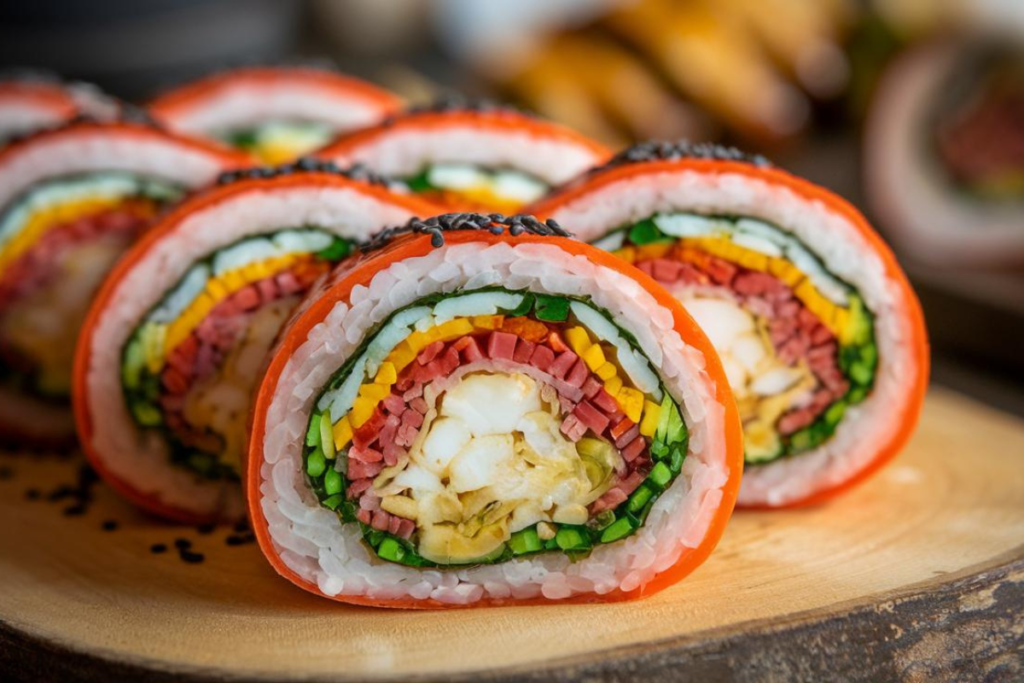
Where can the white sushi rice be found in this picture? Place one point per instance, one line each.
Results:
(244, 103)
(844, 252)
(404, 152)
(85, 150)
(140, 457)
(322, 551)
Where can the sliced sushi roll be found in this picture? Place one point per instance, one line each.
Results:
(71, 200)
(471, 156)
(33, 101)
(820, 334)
(177, 336)
(276, 113)
(480, 411)
(944, 153)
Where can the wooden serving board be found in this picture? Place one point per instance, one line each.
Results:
(918, 574)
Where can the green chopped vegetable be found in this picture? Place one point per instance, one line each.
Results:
(620, 529)
(525, 541)
(553, 309)
(639, 499)
(676, 462)
(419, 183)
(660, 476)
(523, 308)
(147, 415)
(390, 549)
(316, 463)
(313, 433)
(332, 502)
(332, 481)
(570, 538)
(338, 249)
(646, 232)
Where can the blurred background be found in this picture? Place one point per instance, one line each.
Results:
(911, 109)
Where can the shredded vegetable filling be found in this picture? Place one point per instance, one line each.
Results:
(477, 427)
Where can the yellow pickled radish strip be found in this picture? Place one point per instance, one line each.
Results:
(374, 392)
(487, 322)
(578, 339)
(342, 433)
(649, 423)
(387, 374)
(613, 385)
(221, 287)
(594, 357)
(631, 401)
(41, 221)
(607, 373)
(627, 254)
(362, 410)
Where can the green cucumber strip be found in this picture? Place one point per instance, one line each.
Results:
(419, 183)
(327, 437)
(339, 249)
(570, 538)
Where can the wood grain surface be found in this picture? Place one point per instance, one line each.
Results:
(918, 575)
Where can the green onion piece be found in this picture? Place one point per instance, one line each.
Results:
(316, 463)
(332, 481)
(390, 549)
(856, 395)
(602, 520)
(660, 476)
(419, 183)
(313, 433)
(661, 431)
(333, 502)
(146, 415)
(620, 529)
(337, 250)
(327, 436)
(645, 232)
(525, 541)
(569, 538)
(639, 499)
(552, 309)
(676, 462)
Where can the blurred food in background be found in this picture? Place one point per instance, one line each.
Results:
(944, 157)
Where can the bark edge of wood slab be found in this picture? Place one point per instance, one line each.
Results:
(933, 591)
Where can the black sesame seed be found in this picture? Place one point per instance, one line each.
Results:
(436, 226)
(6, 473)
(182, 543)
(242, 526)
(158, 548)
(205, 528)
(74, 511)
(190, 557)
(33, 494)
(110, 525)
(664, 150)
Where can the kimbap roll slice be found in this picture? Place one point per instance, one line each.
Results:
(821, 336)
(471, 156)
(944, 153)
(32, 101)
(177, 336)
(71, 201)
(276, 113)
(480, 411)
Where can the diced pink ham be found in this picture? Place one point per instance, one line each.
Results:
(721, 272)
(562, 364)
(393, 404)
(821, 335)
(542, 358)
(591, 417)
(753, 283)
(405, 529)
(357, 469)
(380, 520)
(632, 482)
(267, 289)
(358, 487)
(610, 500)
(413, 417)
(627, 437)
(247, 298)
(449, 361)
(666, 270)
(634, 449)
(501, 345)
(419, 404)
(469, 348)
(406, 434)
(573, 428)
(364, 516)
(524, 351)
(578, 375)
(364, 454)
(591, 387)
(174, 381)
(605, 402)
(367, 434)
(288, 283)
(430, 352)
(413, 391)
(394, 524)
